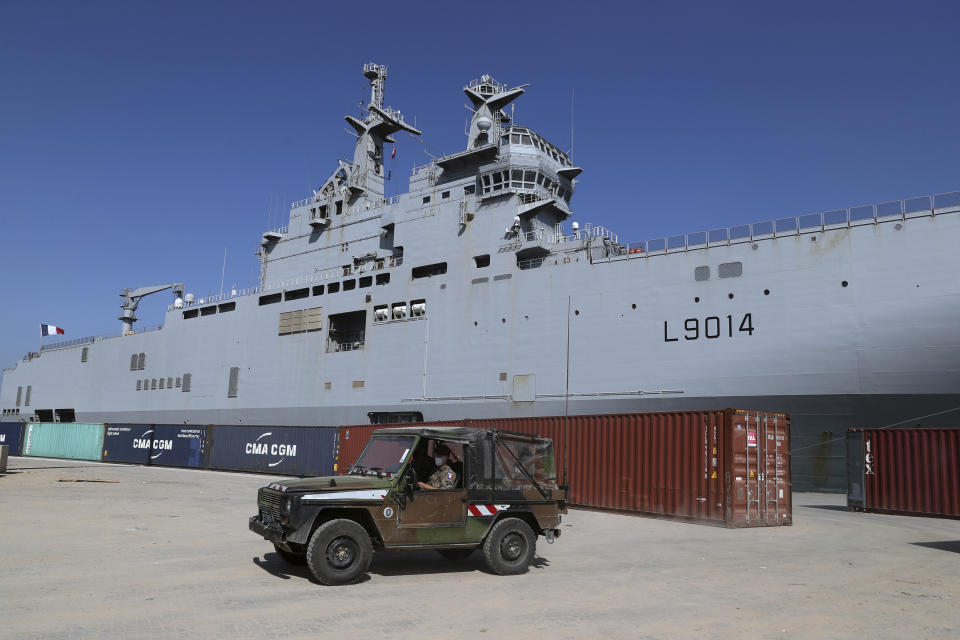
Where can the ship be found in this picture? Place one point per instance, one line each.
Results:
(477, 294)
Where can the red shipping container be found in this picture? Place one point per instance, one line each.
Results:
(729, 467)
(905, 471)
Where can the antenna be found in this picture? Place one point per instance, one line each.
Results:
(223, 271)
(573, 93)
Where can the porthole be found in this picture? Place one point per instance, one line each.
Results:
(576, 312)
(474, 323)
(766, 292)
(503, 320)
(844, 283)
(730, 295)
(633, 306)
(898, 226)
(697, 299)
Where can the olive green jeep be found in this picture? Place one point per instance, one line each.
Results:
(500, 493)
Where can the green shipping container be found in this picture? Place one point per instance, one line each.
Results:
(73, 440)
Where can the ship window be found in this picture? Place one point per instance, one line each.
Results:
(504, 140)
(146, 384)
(187, 379)
(233, 382)
(349, 285)
(318, 290)
(394, 417)
(296, 294)
(527, 141)
(333, 287)
(701, 273)
(339, 207)
(497, 178)
(445, 195)
(322, 211)
(133, 362)
(730, 270)
(169, 383)
(26, 400)
(208, 311)
(346, 332)
(469, 190)
(485, 180)
(153, 384)
(270, 299)
(139, 385)
(83, 354)
(190, 313)
(515, 138)
(383, 278)
(19, 395)
(429, 270)
(142, 361)
(162, 385)
(482, 261)
(426, 199)
(227, 306)
(366, 281)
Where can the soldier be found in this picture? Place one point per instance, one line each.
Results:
(444, 477)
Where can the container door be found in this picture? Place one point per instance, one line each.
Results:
(855, 467)
(758, 479)
(775, 432)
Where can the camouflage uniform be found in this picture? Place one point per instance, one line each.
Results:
(443, 478)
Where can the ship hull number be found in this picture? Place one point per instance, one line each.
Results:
(708, 328)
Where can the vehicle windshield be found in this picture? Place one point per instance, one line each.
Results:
(383, 455)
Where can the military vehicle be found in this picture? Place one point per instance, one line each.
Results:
(505, 495)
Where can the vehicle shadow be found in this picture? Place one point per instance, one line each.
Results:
(400, 563)
(942, 545)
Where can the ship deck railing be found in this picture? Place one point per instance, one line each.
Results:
(66, 344)
(810, 223)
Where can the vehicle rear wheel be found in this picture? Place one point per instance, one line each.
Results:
(339, 552)
(509, 547)
(290, 557)
(455, 554)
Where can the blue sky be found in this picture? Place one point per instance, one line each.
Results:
(138, 140)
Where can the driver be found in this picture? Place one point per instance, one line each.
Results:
(444, 477)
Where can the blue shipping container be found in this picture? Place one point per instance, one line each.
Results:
(294, 451)
(177, 445)
(127, 443)
(11, 434)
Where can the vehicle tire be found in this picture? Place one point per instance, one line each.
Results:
(339, 552)
(509, 547)
(455, 554)
(290, 557)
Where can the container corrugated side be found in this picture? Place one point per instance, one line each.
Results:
(11, 434)
(908, 471)
(179, 445)
(127, 443)
(71, 440)
(295, 451)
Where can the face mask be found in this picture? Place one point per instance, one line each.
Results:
(439, 461)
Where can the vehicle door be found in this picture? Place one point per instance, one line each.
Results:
(437, 515)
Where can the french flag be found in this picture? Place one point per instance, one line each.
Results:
(50, 330)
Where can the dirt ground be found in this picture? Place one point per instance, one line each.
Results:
(154, 552)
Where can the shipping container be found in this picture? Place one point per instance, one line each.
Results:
(72, 440)
(127, 443)
(729, 467)
(354, 438)
(178, 445)
(11, 434)
(905, 471)
(292, 451)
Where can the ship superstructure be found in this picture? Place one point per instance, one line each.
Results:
(473, 294)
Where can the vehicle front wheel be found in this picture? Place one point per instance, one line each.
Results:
(509, 547)
(339, 552)
(290, 557)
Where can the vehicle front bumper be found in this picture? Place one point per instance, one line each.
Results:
(273, 533)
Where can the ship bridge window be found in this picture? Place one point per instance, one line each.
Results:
(525, 139)
(349, 285)
(333, 287)
(383, 278)
(296, 294)
(515, 138)
(429, 270)
(482, 261)
(366, 281)
(270, 299)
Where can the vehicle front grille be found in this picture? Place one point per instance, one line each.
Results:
(269, 502)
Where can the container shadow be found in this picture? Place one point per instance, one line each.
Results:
(828, 507)
(942, 545)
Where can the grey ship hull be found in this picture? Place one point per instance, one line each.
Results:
(842, 323)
